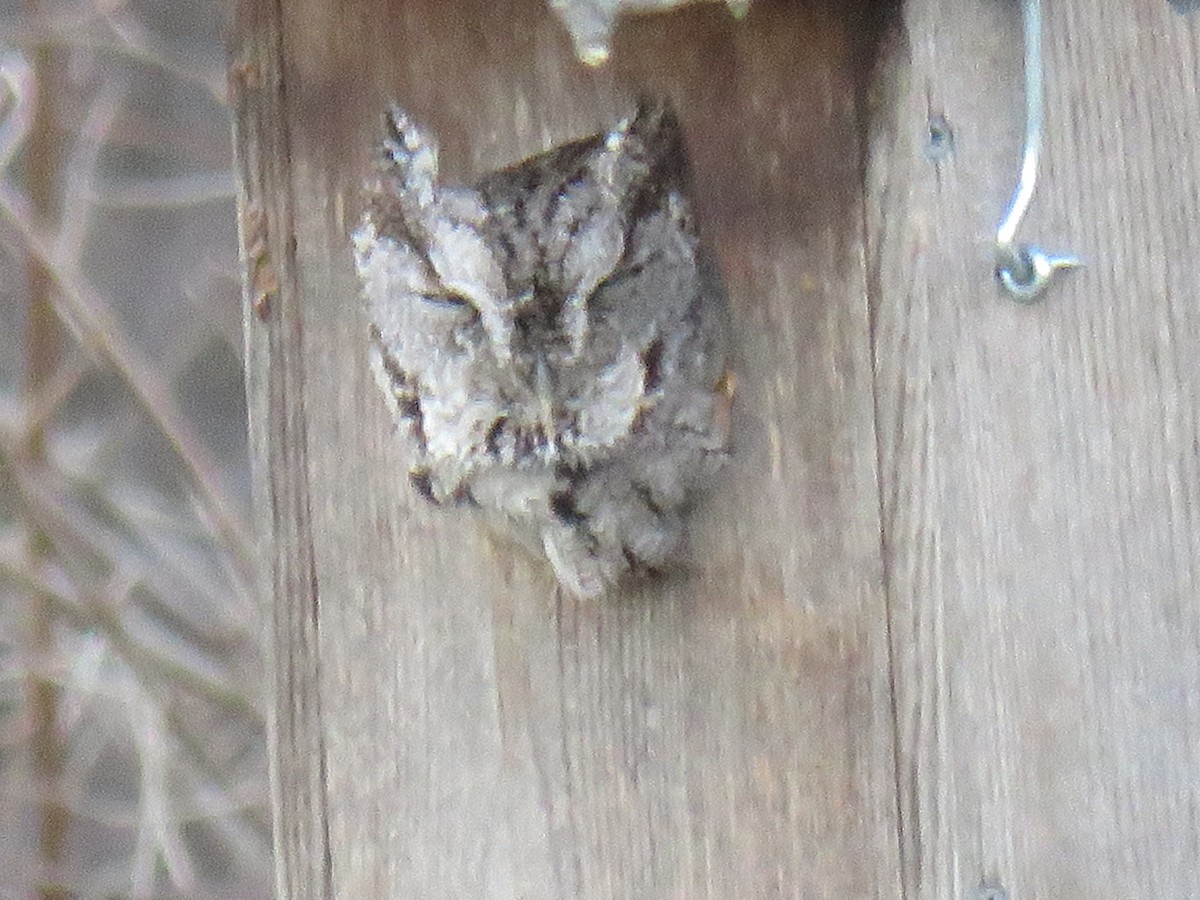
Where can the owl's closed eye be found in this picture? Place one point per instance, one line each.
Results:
(552, 339)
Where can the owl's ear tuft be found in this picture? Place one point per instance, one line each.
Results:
(645, 150)
(656, 126)
(407, 157)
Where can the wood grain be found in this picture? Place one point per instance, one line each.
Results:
(279, 442)
(1039, 466)
(447, 725)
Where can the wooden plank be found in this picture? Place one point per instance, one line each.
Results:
(446, 724)
(1040, 465)
(279, 452)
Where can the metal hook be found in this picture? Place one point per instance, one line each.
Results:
(1024, 269)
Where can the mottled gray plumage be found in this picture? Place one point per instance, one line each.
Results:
(552, 339)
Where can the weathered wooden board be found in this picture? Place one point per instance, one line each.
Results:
(1040, 466)
(941, 634)
(445, 724)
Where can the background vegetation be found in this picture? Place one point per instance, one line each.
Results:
(131, 718)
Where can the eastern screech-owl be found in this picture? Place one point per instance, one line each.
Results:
(553, 339)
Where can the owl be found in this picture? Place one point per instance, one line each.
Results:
(552, 340)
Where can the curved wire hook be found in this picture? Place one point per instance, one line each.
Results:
(1025, 269)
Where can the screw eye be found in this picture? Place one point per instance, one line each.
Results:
(1025, 270)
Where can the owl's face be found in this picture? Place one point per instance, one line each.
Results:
(553, 340)
(535, 318)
